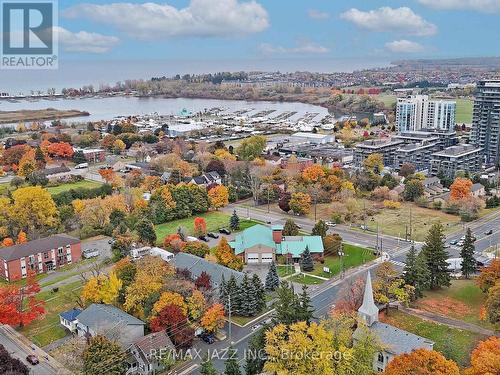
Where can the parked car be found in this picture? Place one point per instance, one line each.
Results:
(256, 327)
(203, 238)
(225, 231)
(489, 232)
(212, 235)
(454, 242)
(330, 223)
(460, 243)
(32, 359)
(209, 338)
(82, 166)
(111, 241)
(90, 253)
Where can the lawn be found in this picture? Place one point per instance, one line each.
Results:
(464, 111)
(47, 330)
(451, 342)
(462, 300)
(305, 279)
(285, 270)
(354, 257)
(215, 220)
(73, 185)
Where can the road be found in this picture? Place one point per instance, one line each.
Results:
(18, 348)
(324, 296)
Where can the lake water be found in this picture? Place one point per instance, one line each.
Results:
(108, 108)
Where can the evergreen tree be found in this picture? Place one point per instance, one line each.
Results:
(469, 263)
(233, 292)
(231, 366)
(320, 229)
(416, 272)
(79, 157)
(272, 278)
(255, 360)
(306, 310)
(234, 223)
(207, 367)
(146, 232)
(287, 305)
(40, 158)
(290, 228)
(223, 299)
(307, 260)
(245, 295)
(259, 301)
(436, 256)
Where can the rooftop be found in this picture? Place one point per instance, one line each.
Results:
(36, 246)
(458, 150)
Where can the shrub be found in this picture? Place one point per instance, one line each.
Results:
(393, 205)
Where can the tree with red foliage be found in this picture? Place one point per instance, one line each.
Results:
(351, 298)
(18, 305)
(173, 242)
(175, 323)
(7, 242)
(284, 201)
(203, 281)
(200, 227)
(61, 149)
(13, 155)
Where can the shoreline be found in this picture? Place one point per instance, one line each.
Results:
(24, 115)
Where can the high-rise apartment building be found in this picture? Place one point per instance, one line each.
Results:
(486, 120)
(418, 112)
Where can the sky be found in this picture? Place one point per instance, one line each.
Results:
(278, 29)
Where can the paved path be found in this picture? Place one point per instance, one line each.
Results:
(455, 323)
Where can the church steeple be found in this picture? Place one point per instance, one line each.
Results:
(368, 310)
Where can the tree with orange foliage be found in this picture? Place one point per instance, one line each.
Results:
(485, 358)
(219, 196)
(351, 298)
(7, 242)
(225, 256)
(200, 227)
(61, 149)
(27, 164)
(107, 174)
(151, 183)
(173, 242)
(213, 319)
(18, 304)
(21, 237)
(460, 189)
(489, 276)
(422, 362)
(313, 173)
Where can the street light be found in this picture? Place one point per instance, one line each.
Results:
(341, 255)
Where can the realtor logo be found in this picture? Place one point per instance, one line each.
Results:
(29, 40)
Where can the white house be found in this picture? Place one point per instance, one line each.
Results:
(68, 319)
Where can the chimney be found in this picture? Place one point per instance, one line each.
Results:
(277, 234)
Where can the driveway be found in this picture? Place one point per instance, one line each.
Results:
(100, 243)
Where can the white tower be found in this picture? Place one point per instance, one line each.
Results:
(368, 310)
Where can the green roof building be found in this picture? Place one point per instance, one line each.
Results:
(261, 244)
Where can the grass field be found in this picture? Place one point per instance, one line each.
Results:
(354, 256)
(464, 111)
(284, 270)
(305, 279)
(74, 185)
(452, 343)
(47, 330)
(215, 220)
(462, 300)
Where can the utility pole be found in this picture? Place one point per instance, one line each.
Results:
(410, 225)
(376, 247)
(229, 316)
(268, 199)
(315, 205)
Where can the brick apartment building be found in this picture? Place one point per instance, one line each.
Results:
(43, 255)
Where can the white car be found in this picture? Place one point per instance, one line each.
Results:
(256, 327)
(330, 223)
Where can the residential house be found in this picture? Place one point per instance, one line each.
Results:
(206, 179)
(58, 172)
(433, 187)
(40, 256)
(111, 322)
(68, 319)
(394, 341)
(147, 352)
(197, 265)
(92, 155)
(478, 190)
(261, 244)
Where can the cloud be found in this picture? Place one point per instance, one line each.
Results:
(303, 47)
(84, 41)
(401, 20)
(318, 15)
(485, 6)
(404, 46)
(201, 18)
